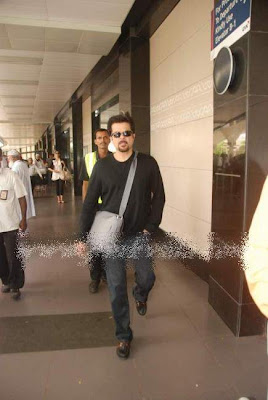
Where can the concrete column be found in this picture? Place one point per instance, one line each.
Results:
(240, 115)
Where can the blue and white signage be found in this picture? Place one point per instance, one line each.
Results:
(230, 20)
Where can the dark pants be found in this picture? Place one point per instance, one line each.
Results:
(49, 176)
(59, 187)
(11, 271)
(97, 270)
(33, 182)
(117, 281)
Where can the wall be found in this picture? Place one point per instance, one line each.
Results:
(87, 126)
(182, 119)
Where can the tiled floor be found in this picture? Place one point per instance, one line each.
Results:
(181, 351)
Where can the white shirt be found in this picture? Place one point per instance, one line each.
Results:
(22, 170)
(11, 188)
(34, 170)
(58, 167)
(41, 166)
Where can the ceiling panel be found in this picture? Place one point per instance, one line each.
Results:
(63, 35)
(24, 8)
(95, 13)
(27, 44)
(16, 109)
(100, 38)
(17, 90)
(87, 48)
(21, 72)
(61, 47)
(70, 60)
(58, 74)
(3, 115)
(25, 32)
(17, 101)
(5, 43)
(21, 53)
(3, 32)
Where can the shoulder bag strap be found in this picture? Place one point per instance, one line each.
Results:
(128, 186)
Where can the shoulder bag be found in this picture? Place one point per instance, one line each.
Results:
(67, 176)
(107, 226)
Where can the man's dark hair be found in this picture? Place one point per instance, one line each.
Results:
(100, 130)
(123, 117)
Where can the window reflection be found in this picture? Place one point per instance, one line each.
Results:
(228, 175)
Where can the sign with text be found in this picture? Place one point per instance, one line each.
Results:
(230, 20)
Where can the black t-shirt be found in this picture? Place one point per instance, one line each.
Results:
(147, 197)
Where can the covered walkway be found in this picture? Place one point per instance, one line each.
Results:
(57, 342)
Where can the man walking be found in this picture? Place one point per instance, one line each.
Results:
(12, 197)
(21, 168)
(102, 140)
(142, 216)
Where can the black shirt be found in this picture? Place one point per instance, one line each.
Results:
(147, 197)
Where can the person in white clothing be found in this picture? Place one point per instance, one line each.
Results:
(58, 176)
(33, 172)
(12, 193)
(20, 167)
(40, 164)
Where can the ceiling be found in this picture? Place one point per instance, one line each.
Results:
(47, 48)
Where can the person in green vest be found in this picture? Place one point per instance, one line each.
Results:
(102, 140)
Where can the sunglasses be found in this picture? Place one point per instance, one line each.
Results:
(125, 134)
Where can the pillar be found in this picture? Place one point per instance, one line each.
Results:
(77, 117)
(240, 115)
(134, 87)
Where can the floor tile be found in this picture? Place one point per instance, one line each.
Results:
(24, 376)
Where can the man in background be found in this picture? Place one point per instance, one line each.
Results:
(102, 140)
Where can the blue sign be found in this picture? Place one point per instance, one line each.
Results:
(230, 20)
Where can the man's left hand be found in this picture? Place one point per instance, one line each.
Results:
(23, 225)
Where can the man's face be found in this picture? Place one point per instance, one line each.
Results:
(37, 157)
(102, 140)
(123, 143)
(30, 161)
(11, 160)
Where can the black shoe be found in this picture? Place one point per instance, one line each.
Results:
(123, 349)
(15, 294)
(5, 289)
(93, 287)
(141, 307)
